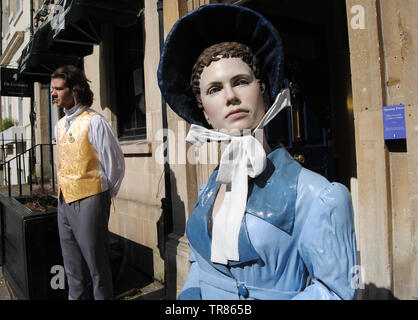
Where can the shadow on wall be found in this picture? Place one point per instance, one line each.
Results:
(171, 226)
(371, 292)
(132, 264)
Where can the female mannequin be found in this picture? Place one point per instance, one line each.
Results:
(263, 227)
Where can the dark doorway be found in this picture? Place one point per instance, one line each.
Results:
(319, 128)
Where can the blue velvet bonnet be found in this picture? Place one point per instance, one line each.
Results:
(203, 27)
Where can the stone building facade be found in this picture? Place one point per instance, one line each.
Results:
(350, 57)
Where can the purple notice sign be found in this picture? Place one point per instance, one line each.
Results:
(394, 122)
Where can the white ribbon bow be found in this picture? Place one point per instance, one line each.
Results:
(244, 156)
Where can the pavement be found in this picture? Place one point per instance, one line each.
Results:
(149, 291)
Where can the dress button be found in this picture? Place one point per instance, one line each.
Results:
(243, 291)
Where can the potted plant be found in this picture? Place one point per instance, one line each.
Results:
(31, 248)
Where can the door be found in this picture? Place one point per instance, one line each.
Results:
(318, 130)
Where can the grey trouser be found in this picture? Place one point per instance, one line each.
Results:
(83, 230)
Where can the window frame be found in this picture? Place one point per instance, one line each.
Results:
(143, 135)
(6, 19)
(17, 14)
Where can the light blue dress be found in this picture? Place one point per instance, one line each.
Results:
(296, 240)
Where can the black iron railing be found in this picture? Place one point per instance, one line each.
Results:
(21, 167)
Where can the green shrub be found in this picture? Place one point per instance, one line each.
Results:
(6, 123)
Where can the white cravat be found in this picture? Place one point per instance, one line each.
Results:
(72, 114)
(244, 156)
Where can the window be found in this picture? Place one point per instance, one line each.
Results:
(129, 81)
(3, 103)
(18, 6)
(6, 17)
(20, 110)
(9, 107)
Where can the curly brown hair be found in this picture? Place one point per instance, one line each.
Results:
(76, 80)
(219, 51)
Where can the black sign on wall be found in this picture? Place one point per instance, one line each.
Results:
(10, 87)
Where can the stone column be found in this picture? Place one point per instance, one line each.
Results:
(183, 179)
(374, 202)
(399, 32)
(41, 100)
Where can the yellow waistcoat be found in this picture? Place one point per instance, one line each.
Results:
(78, 166)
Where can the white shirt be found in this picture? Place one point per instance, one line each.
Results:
(104, 141)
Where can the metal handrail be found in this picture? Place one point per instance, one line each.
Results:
(18, 160)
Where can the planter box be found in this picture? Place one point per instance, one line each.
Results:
(31, 248)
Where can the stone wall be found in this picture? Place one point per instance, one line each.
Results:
(137, 208)
(384, 72)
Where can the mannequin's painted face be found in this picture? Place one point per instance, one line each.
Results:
(61, 94)
(231, 95)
